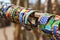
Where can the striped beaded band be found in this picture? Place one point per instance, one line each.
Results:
(28, 18)
(8, 12)
(56, 29)
(21, 15)
(44, 20)
(5, 7)
(16, 14)
(49, 26)
(28, 13)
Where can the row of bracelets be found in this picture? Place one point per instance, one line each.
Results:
(49, 23)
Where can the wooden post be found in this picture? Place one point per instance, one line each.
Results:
(46, 6)
(13, 1)
(38, 4)
(49, 6)
(36, 33)
(18, 2)
(24, 34)
(6, 38)
(22, 3)
(36, 29)
(26, 3)
(54, 6)
(58, 6)
(17, 32)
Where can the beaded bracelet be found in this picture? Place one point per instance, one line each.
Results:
(10, 13)
(16, 14)
(44, 20)
(21, 16)
(49, 26)
(28, 18)
(28, 14)
(5, 7)
(56, 29)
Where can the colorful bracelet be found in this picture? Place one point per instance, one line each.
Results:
(28, 14)
(49, 26)
(16, 14)
(56, 29)
(21, 16)
(44, 20)
(28, 18)
(8, 12)
(4, 7)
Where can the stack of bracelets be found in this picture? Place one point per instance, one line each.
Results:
(49, 23)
